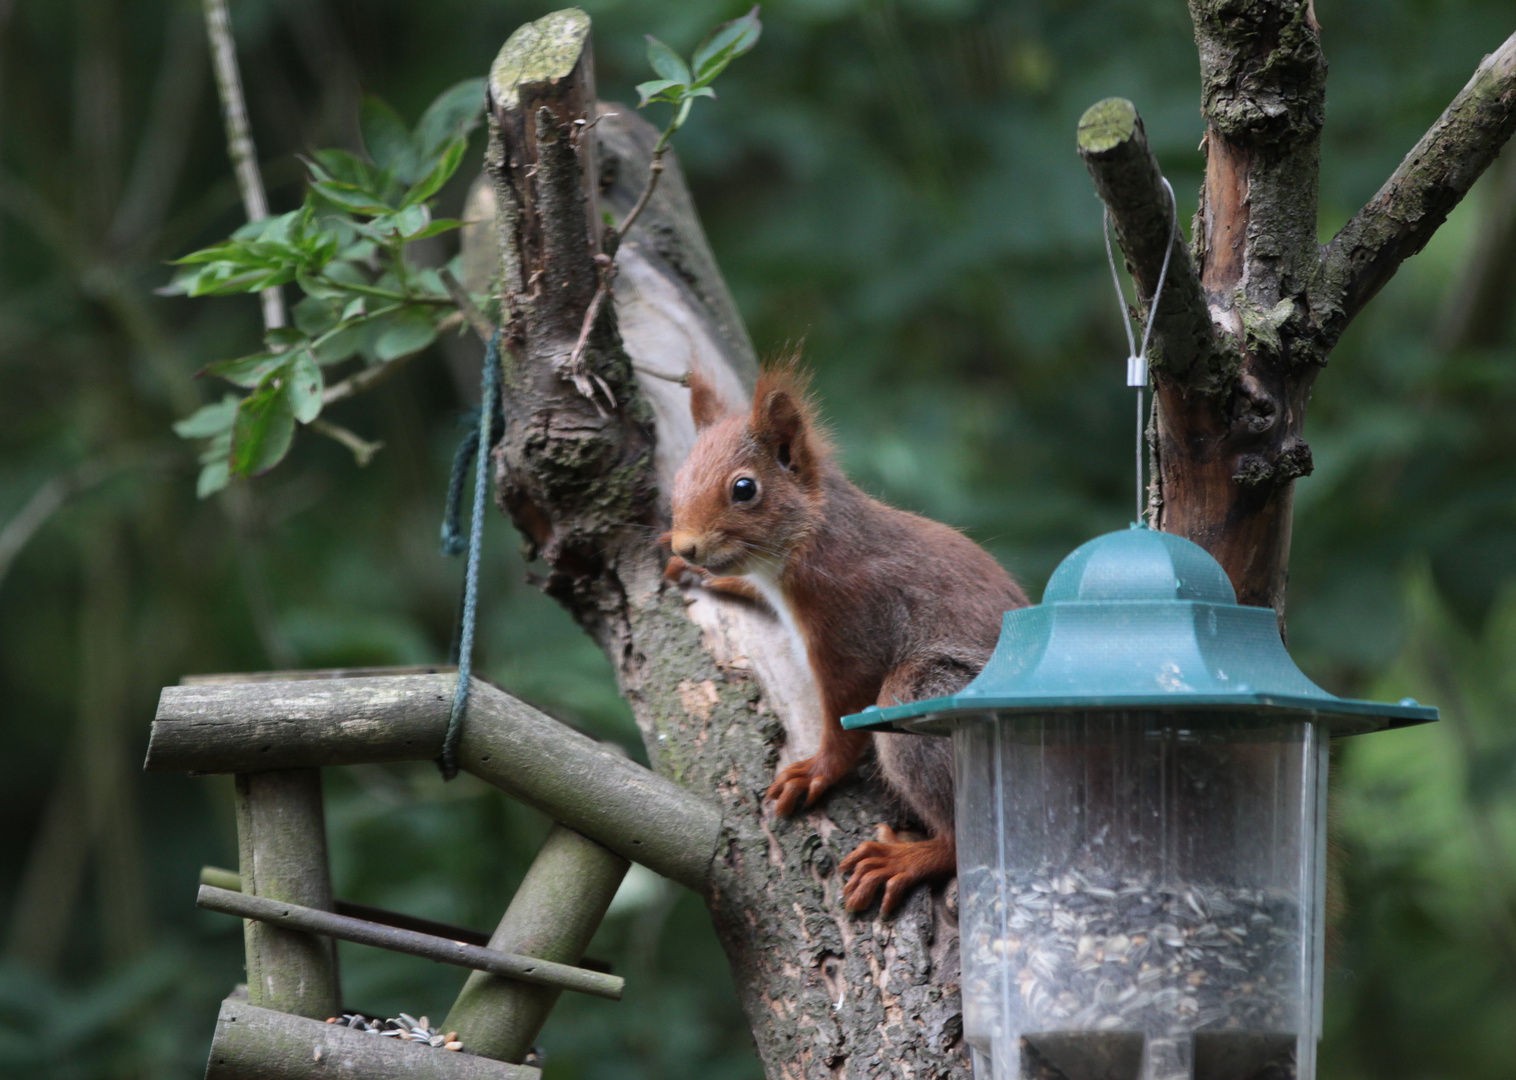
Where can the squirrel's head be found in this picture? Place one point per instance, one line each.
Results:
(750, 491)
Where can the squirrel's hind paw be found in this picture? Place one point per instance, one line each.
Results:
(895, 865)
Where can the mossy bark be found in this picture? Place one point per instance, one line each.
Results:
(1227, 435)
(717, 688)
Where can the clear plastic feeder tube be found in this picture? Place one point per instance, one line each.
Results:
(1141, 894)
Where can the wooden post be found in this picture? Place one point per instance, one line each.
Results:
(552, 916)
(281, 836)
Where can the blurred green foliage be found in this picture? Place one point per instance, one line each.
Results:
(893, 180)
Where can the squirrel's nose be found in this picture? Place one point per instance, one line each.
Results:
(686, 546)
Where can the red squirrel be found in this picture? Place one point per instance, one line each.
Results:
(891, 607)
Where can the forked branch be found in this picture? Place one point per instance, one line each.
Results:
(1115, 149)
(1417, 198)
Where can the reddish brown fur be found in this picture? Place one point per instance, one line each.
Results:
(891, 607)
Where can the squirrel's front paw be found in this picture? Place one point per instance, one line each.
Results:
(896, 865)
(802, 783)
(677, 568)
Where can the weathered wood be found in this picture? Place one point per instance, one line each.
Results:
(1127, 178)
(230, 880)
(1228, 434)
(719, 690)
(539, 972)
(281, 834)
(247, 726)
(259, 1044)
(553, 915)
(589, 787)
(1415, 201)
(301, 674)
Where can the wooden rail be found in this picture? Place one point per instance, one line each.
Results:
(253, 727)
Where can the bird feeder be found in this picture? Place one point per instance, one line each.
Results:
(1141, 819)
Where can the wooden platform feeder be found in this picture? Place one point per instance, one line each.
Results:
(275, 731)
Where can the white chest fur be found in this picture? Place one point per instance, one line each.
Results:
(765, 578)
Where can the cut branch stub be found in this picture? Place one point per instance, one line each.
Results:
(1418, 196)
(547, 64)
(1127, 178)
(576, 458)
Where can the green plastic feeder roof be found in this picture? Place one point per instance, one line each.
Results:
(1144, 620)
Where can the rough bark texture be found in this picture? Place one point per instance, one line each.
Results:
(281, 834)
(260, 1044)
(511, 965)
(719, 690)
(1230, 406)
(553, 915)
(720, 693)
(297, 726)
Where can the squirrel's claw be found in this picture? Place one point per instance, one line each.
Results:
(801, 784)
(897, 866)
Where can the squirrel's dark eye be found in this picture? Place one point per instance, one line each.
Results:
(744, 489)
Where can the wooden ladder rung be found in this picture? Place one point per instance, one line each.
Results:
(345, 928)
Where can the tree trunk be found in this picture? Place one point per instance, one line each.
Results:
(718, 690)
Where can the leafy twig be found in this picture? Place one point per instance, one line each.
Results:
(371, 377)
(363, 450)
(470, 310)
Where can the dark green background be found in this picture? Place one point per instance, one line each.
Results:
(896, 183)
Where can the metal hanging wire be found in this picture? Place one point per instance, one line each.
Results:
(1137, 358)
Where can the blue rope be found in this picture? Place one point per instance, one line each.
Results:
(453, 541)
(476, 445)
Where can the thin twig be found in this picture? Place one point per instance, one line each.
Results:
(371, 377)
(239, 139)
(682, 380)
(608, 271)
(655, 170)
(363, 450)
(482, 326)
(54, 494)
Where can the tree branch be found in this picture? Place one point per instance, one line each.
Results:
(239, 139)
(1417, 198)
(1127, 178)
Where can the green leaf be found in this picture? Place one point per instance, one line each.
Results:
(315, 315)
(408, 330)
(214, 475)
(650, 90)
(454, 114)
(284, 337)
(276, 228)
(441, 171)
(725, 43)
(354, 308)
(263, 430)
(412, 220)
(303, 385)
(345, 167)
(666, 62)
(208, 420)
(388, 140)
(244, 371)
(441, 225)
(350, 197)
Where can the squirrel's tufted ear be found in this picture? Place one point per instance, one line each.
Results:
(705, 406)
(779, 421)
